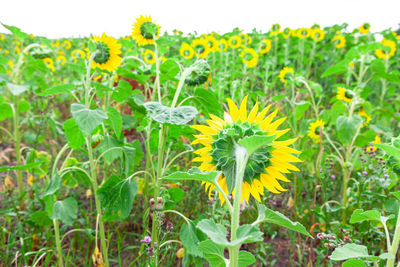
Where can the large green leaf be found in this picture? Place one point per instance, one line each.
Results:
(354, 263)
(168, 70)
(122, 91)
(214, 253)
(21, 167)
(246, 258)
(247, 233)
(73, 134)
(115, 120)
(116, 197)
(340, 67)
(370, 215)
(53, 186)
(391, 150)
(58, 89)
(352, 251)
(87, 119)
(162, 114)
(216, 232)
(190, 240)
(208, 101)
(16, 31)
(194, 174)
(113, 148)
(346, 128)
(65, 210)
(270, 216)
(16, 89)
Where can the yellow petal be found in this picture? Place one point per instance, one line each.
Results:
(253, 113)
(273, 126)
(266, 182)
(254, 191)
(206, 130)
(233, 110)
(262, 114)
(268, 120)
(217, 119)
(243, 110)
(228, 118)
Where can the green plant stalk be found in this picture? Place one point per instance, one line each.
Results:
(241, 161)
(395, 243)
(17, 140)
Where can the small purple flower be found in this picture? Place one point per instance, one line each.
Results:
(147, 239)
(333, 177)
(364, 173)
(386, 175)
(155, 244)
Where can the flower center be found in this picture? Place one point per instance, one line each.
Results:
(348, 94)
(148, 29)
(103, 53)
(200, 48)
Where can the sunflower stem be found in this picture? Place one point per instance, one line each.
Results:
(241, 157)
(395, 243)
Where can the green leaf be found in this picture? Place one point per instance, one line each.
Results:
(354, 263)
(340, 67)
(216, 232)
(190, 240)
(6, 111)
(73, 134)
(53, 186)
(65, 211)
(112, 154)
(214, 253)
(41, 218)
(168, 70)
(301, 107)
(246, 258)
(194, 174)
(58, 89)
(270, 216)
(352, 251)
(116, 197)
(21, 167)
(247, 233)
(389, 149)
(396, 194)
(176, 194)
(115, 120)
(16, 32)
(162, 114)
(370, 215)
(346, 128)
(255, 142)
(87, 119)
(122, 91)
(208, 101)
(16, 89)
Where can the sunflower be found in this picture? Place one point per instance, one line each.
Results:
(345, 94)
(212, 43)
(108, 53)
(49, 63)
(364, 29)
(201, 47)
(286, 33)
(246, 38)
(265, 46)
(303, 33)
(186, 51)
(144, 30)
(317, 34)
(149, 57)
(314, 130)
(372, 148)
(275, 29)
(339, 40)
(249, 57)
(67, 44)
(235, 42)
(223, 45)
(1, 36)
(61, 59)
(389, 53)
(283, 73)
(264, 168)
(365, 115)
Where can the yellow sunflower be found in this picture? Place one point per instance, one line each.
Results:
(372, 148)
(246, 38)
(364, 29)
(386, 54)
(144, 30)
(264, 168)
(1, 36)
(317, 34)
(339, 41)
(212, 43)
(275, 29)
(223, 45)
(67, 44)
(108, 53)
(186, 51)
(314, 130)
(345, 94)
(201, 47)
(303, 33)
(61, 59)
(149, 57)
(235, 42)
(365, 115)
(283, 73)
(249, 57)
(49, 63)
(286, 33)
(265, 46)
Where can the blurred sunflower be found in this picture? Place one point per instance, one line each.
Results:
(264, 168)
(275, 29)
(283, 73)
(49, 63)
(186, 51)
(201, 47)
(314, 130)
(108, 53)
(317, 34)
(212, 43)
(144, 30)
(339, 41)
(149, 57)
(249, 57)
(77, 53)
(265, 46)
(223, 45)
(364, 29)
(235, 42)
(286, 33)
(246, 38)
(61, 59)
(303, 33)
(371, 147)
(67, 44)
(345, 94)
(367, 118)
(391, 45)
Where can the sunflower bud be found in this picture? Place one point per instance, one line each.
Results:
(199, 73)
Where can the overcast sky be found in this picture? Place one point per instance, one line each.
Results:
(74, 18)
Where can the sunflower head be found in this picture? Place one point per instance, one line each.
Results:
(345, 94)
(315, 129)
(275, 29)
(265, 166)
(199, 74)
(107, 51)
(390, 49)
(364, 29)
(235, 42)
(149, 57)
(201, 47)
(249, 57)
(223, 45)
(364, 115)
(339, 41)
(265, 46)
(286, 32)
(144, 30)
(186, 51)
(317, 34)
(283, 73)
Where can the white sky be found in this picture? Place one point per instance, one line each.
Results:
(74, 18)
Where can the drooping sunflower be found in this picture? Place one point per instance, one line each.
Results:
(364, 29)
(108, 52)
(186, 51)
(235, 42)
(265, 167)
(317, 34)
(391, 45)
(265, 46)
(339, 41)
(283, 73)
(249, 57)
(201, 47)
(223, 45)
(314, 130)
(345, 94)
(144, 30)
(149, 57)
(364, 115)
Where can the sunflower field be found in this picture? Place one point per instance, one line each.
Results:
(276, 148)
